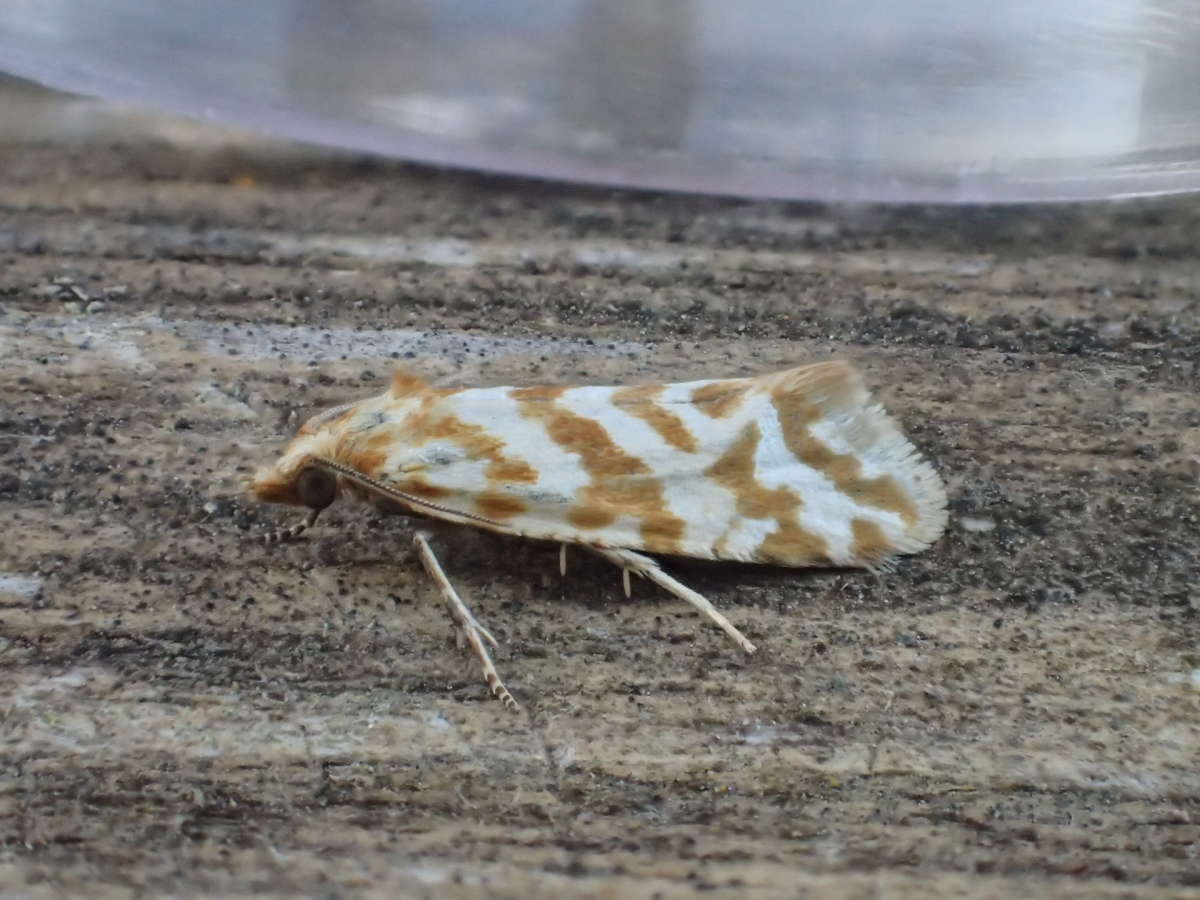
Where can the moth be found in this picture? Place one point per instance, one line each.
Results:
(795, 468)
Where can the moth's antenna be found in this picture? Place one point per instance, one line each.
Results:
(388, 491)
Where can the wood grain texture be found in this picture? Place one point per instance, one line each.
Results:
(1013, 712)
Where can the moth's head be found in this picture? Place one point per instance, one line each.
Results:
(296, 478)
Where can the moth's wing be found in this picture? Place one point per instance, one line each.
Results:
(476, 453)
(569, 464)
(822, 475)
(796, 468)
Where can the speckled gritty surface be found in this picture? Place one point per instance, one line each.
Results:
(1015, 713)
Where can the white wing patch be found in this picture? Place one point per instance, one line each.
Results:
(559, 475)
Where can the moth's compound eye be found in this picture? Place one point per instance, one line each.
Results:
(316, 487)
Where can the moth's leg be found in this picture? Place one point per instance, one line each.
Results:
(562, 560)
(468, 628)
(292, 532)
(648, 568)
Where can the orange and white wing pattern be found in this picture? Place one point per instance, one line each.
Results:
(796, 468)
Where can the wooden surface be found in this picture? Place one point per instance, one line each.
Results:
(1015, 713)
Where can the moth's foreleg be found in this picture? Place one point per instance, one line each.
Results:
(468, 628)
(648, 568)
(279, 535)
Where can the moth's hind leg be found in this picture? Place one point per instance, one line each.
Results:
(648, 568)
(469, 629)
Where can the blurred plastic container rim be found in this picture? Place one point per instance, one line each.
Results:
(864, 100)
